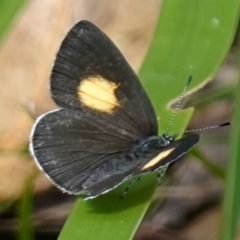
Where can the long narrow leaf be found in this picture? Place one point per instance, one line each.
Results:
(231, 207)
(192, 37)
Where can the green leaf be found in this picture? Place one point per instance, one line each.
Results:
(192, 37)
(8, 10)
(108, 216)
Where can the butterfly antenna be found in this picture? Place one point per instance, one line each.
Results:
(179, 104)
(201, 129)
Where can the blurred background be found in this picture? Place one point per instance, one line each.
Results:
(187, 206)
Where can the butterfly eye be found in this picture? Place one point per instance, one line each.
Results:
(167, 139)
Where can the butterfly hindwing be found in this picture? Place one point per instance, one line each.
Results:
(69, 146)
(91, 75)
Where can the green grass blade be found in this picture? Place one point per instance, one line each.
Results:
(8, 10)
(231, 206)
(192, 37)
(24, 212)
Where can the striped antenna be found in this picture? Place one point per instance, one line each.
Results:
(179, 104)
(201, 129)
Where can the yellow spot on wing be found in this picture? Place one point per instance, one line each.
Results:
(157, 159)
(98, 93)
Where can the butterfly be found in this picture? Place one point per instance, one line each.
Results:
(106, 130)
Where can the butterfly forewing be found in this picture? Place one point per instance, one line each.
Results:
(91, 75)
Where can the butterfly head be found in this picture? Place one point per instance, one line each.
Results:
(168, 138)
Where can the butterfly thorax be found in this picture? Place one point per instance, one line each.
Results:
(150, 144)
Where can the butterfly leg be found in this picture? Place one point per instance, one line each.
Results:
(129, 185)
(161, 173)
